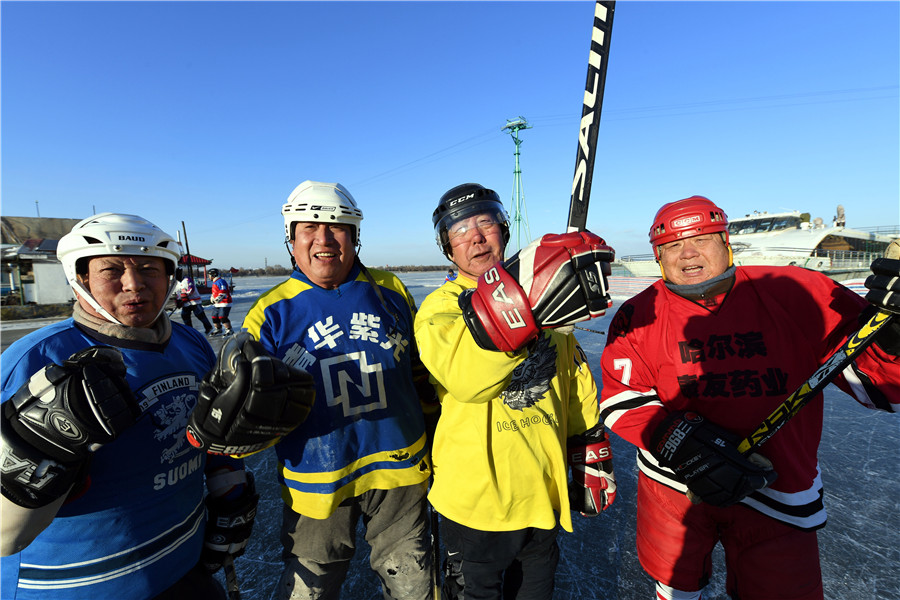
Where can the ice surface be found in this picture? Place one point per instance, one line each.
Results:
(858, 455)
(859, 550)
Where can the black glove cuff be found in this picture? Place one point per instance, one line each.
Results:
(30, 478)
(474, 324)
(595, 434)
(888, 337)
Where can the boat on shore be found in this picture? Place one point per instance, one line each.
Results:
(790, 238)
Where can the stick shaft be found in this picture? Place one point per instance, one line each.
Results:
(590, 115)
(231, 580)
(808, 390)
(824, 375)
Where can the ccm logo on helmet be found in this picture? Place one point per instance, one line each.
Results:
(132, 238)
(460, 199)
(685, 221)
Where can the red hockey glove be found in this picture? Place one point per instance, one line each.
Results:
(705, 457)
(593, 485)
(556, 281)
(249, 400)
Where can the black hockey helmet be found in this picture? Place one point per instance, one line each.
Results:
(213, 273)
(462, 202)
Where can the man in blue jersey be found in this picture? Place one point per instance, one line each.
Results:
(103, 496)
(363, 450)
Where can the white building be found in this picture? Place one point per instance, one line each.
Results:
(31, 273)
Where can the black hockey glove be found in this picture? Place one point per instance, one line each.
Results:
(249, 400)
(705, 457)
(884, 294)
(58, 418)
(229, 524)
(556, 281)
(593, 486)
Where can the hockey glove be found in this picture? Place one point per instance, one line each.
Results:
(556, 281)
(58, 418)
(228, 526)
(705, 457)
(593, 485)
(884, 293)
(249, 400)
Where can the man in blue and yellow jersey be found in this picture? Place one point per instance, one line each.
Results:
(363, 450)
(103, 497)
(518, 400)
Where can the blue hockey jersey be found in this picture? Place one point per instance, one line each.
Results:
(138, 528)
(366, 429)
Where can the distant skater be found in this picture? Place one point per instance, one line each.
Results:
(220, 296)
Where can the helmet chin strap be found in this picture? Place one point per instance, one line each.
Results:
(290, 251)
(86, 295)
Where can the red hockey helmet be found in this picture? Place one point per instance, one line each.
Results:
(687, 218)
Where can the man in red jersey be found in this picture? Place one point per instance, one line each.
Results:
(693, 364)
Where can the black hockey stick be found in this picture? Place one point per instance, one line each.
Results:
(231, 580)
(832, 367)
(590, 115)
(435, 553)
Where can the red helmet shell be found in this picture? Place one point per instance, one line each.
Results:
(687, 218)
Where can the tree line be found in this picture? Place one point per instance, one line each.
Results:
(278, 270)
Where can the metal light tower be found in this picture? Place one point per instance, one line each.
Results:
(519, 214)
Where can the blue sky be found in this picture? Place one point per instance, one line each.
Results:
(212, 112)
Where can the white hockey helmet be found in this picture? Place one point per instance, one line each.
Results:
(317, 202)
(114, 234)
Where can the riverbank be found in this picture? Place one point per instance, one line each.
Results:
(36, 311)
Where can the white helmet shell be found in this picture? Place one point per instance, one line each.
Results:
(318, 202)
(114, 234)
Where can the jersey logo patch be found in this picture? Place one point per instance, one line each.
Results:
(531, 380)
(170, 400)
(349, 376)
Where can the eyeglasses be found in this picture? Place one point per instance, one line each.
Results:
(457, 233)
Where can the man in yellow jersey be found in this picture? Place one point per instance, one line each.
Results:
(515, 391)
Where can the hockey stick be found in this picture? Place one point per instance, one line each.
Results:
(832, 367)
(231, 580)
(586, 329)
(590, 115)
(435, 553)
